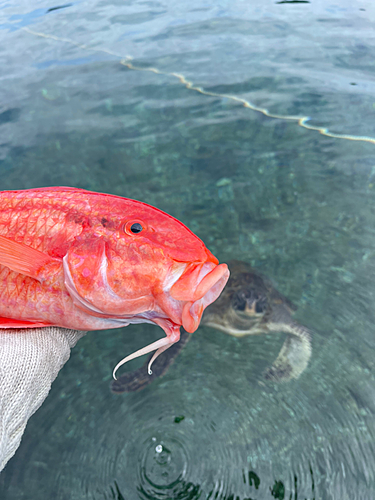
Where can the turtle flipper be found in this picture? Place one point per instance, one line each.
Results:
(294, 355)
(139, 379)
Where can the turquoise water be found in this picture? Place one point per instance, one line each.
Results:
(298, 205)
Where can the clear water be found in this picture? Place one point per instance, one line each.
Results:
(294, 203)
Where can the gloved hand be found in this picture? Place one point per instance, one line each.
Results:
(30, 360)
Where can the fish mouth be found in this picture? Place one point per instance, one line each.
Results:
(207, 282)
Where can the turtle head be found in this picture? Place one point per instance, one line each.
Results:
(249, 302)
(242, 306)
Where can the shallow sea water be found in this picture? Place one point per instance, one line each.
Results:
(296, 204)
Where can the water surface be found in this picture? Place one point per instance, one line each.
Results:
(296, 204)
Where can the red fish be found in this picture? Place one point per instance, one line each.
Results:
(92, 261)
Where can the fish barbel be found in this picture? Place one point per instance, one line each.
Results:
(91, 261)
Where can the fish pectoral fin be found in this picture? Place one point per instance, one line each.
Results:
(159, 346)
(20, 323)
(21, 258)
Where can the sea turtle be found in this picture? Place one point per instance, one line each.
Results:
(248, 305)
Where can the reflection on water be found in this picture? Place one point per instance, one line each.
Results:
(127, 62)
(295, 204)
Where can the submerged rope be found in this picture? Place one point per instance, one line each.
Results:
(126, 61)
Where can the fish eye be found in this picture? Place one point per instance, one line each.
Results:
(136, 228)
(133, 227)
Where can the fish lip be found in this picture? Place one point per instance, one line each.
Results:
(194, 287)
(207, 291)
(184, 288)
(210, 280)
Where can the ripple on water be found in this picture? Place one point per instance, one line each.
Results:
(176, 456)
(163, 468)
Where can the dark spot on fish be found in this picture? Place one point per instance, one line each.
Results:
(109, 223)
(82, 220)
(177, 420)
(78, 218)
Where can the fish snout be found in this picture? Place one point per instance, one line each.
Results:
(199, 288)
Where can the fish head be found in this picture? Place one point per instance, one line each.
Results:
(145, 267)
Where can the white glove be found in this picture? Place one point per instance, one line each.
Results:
(30, 360)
